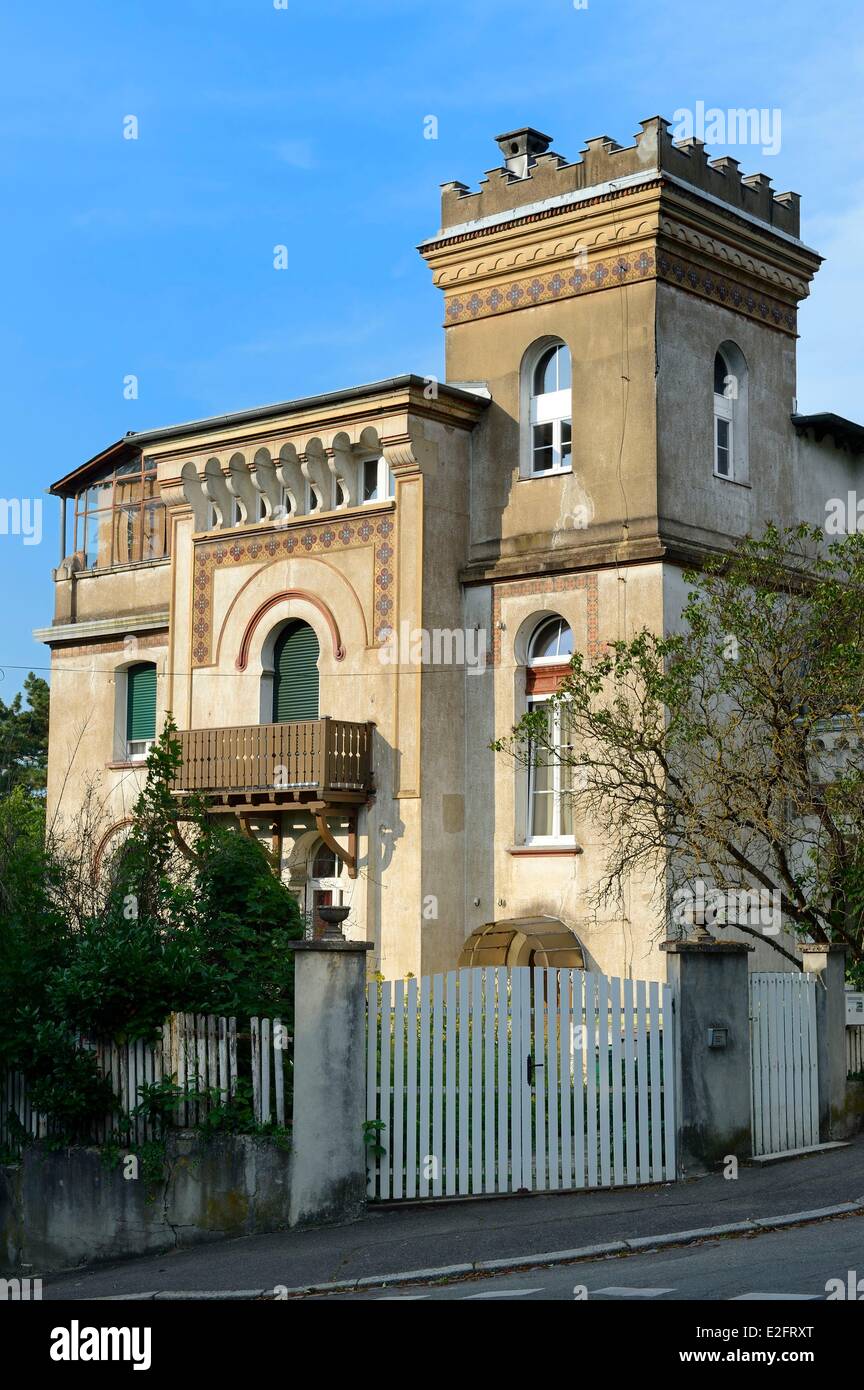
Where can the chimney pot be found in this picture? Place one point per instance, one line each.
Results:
(520, 149)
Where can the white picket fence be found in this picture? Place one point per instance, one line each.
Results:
(855, 1049)
(784, 1066)
(200, 1051)
(496, 1080)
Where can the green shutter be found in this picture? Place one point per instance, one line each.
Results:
(140, 702)
(295, 676)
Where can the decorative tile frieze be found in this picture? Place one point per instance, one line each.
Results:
(316, 538)
(544, 587)
(622, 269)
(533, 289)
(687, 275)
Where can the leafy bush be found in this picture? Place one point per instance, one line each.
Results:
(192, 920)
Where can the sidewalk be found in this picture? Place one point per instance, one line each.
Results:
(395, 1240)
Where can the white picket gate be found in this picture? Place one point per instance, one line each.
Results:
(496, 1080)
(784, 1070)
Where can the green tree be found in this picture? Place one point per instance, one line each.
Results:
(191, 919)
(24, 738)
(730, 753)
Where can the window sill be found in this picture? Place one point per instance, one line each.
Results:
(549, 473)
(520, 851)
(736, 482)
(121, 765)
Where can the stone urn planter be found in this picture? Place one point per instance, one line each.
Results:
(333, 917)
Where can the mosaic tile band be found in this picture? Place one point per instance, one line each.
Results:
(310, 539)
(624, 270)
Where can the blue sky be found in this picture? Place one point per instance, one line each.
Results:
(303, 126)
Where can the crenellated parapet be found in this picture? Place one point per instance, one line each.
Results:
(532, 173)
(541, 229)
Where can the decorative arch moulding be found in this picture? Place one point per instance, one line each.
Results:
(321, 538)
(546, 588)
(286, 594)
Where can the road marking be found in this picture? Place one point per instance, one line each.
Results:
(402, 1298)
(622, 1291)
(777, 1297)
(502, 1293)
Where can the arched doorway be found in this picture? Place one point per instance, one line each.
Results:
(324, 885)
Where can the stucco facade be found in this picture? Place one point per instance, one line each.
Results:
(640, 264)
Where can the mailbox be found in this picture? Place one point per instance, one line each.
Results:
(854, 1008)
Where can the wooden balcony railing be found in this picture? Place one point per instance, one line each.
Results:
(328, 758)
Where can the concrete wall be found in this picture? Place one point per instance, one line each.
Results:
(58, 1210)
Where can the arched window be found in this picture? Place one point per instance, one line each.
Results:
(552, 641)
(324, 887)
(550, 811)
(730, 414)
(295, 674)
(140, 709)
(548, 381)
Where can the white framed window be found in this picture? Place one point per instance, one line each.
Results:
(551, 643)
(730, 415)
(724, 421)
(138, 689)
(376, 480)
(550, 778)
(548, 446)
(137, 750)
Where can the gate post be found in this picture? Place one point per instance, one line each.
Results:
(328, 1171)
(828, 964)
(712, 1003)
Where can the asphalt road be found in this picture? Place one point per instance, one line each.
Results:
(793, 1264)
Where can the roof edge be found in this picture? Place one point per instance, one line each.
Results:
(139, 439)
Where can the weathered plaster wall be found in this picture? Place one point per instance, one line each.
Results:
(58, 1210)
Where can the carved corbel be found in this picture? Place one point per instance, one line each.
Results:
(216, 489)
(348, 856)
(266, 483)
(316, 471)
(292, 478)
(193, 491)
(240, 486)
(407, 453)
(345, 468)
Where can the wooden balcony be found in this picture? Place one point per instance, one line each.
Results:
(314, 762)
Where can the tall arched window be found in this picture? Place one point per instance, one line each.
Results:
(548, 379)
(550, 773)
(730, 414)
(140, 709)
(295, 674)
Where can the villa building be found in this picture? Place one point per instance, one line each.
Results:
(344, 599)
